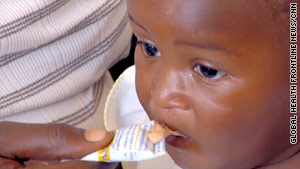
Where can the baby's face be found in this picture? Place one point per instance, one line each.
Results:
(215, 71)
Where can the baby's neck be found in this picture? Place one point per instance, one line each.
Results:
(288, 159)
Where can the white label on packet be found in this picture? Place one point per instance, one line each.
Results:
(130, 144)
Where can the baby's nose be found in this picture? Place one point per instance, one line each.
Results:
(178, 103)
(169, 90)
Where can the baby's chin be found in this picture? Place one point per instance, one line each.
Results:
(187, 155)
(184, 152)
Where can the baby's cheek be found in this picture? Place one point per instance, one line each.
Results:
(142, 93)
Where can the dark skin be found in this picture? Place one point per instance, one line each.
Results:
(42, 146)
(217, 72)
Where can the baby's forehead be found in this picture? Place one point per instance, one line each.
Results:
(200, 8)
(201, 15)
(222, 22)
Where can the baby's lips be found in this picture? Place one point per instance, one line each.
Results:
(160, 132)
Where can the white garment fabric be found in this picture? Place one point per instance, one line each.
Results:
(123, 109)
(54, 57)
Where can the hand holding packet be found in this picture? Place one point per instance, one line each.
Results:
(130, 144)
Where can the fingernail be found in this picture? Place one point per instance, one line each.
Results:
(43, 163)
(95, 135)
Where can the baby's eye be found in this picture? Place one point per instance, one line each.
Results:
(149, 49)
(209, 72)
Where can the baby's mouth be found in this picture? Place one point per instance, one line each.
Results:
(161, 131)
(178, 141)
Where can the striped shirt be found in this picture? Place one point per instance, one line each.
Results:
(54, 56)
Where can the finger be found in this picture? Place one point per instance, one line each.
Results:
(31, 163)
(49, 141)
(76, 165)
(9, 164)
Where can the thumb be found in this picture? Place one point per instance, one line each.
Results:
(49, 141)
